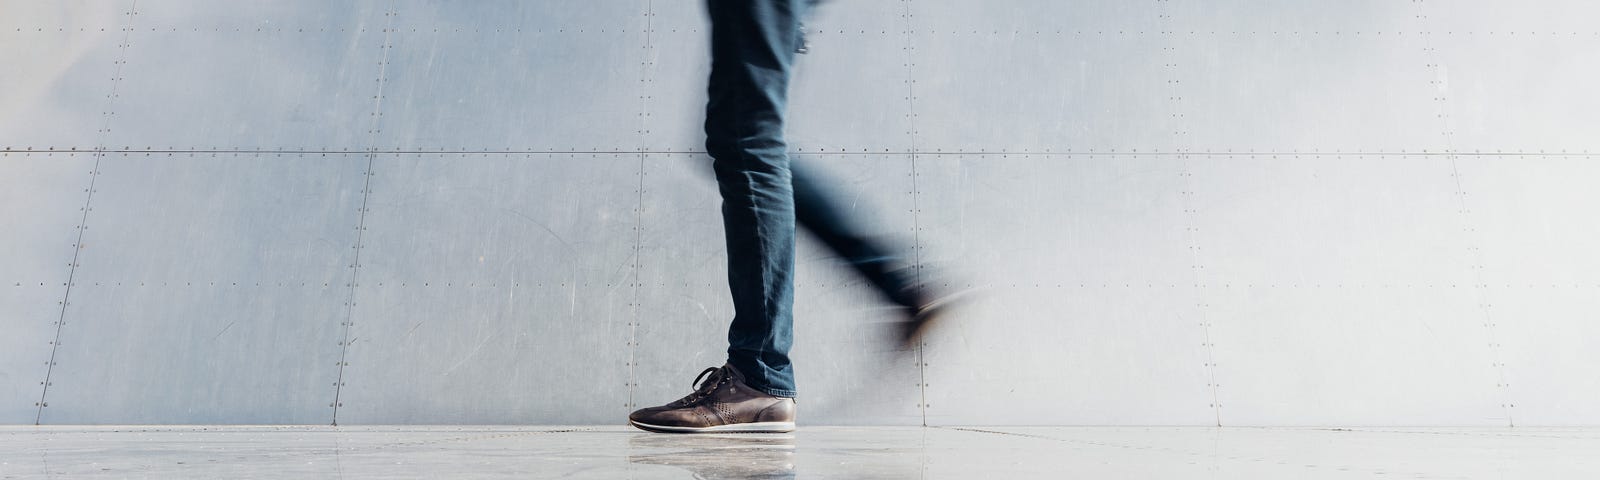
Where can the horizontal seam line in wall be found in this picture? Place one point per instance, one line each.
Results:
(802, 152)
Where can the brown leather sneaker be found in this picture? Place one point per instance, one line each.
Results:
(721, 404)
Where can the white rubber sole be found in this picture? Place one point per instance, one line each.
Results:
(757, 427)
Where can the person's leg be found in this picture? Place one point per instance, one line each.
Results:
(753, 44)
(882, 265)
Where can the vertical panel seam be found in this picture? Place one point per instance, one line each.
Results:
(1182, 148)
(83, 221)
(361, 219)
(916, 224)
(638, 211)
(1439, 86)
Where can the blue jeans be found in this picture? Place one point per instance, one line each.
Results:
(753, 44)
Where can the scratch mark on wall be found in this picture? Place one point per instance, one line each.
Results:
(224, 330)
(704, 312)
(469, 355)
(546, 228)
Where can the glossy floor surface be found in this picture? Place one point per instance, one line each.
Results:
(813, 452)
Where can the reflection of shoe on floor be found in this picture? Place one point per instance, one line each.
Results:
(718, 456)
(722, 403)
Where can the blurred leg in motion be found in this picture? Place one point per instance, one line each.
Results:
(819, 212)
(881, 262)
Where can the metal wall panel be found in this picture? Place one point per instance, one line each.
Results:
(266, 89)
(1289, 17)
(1352, 356)
(613, 16)
(40, 209)
(1066, 16)
(1270, 91)
(1505, 16)
(1339, 219)
(1049, 91)
(1519, 92)
(502, 76)
(209, 289)
(1025, 220)
(1527, 215)
(290, 75)
(1100, 354)
(675, 87)
(849, 93)
(58, 81)
(1264, 76)
(463, 261)
(1381, 289)
(522, 218)
(486, 353)
(1077, 260)
(30, 319)
(1539, 277)
(1039, 75)
(297, 16)
(1544, 337)
(40, 15)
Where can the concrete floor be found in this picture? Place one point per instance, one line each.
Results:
(813, 452)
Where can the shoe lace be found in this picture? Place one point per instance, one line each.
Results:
(703, 389)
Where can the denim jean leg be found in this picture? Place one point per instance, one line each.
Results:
(752, 51)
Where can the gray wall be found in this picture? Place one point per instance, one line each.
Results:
(1245, 212)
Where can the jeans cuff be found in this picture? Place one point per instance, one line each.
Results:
(777, 392)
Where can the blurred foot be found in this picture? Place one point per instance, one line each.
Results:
(930, 311)
(722, 403)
